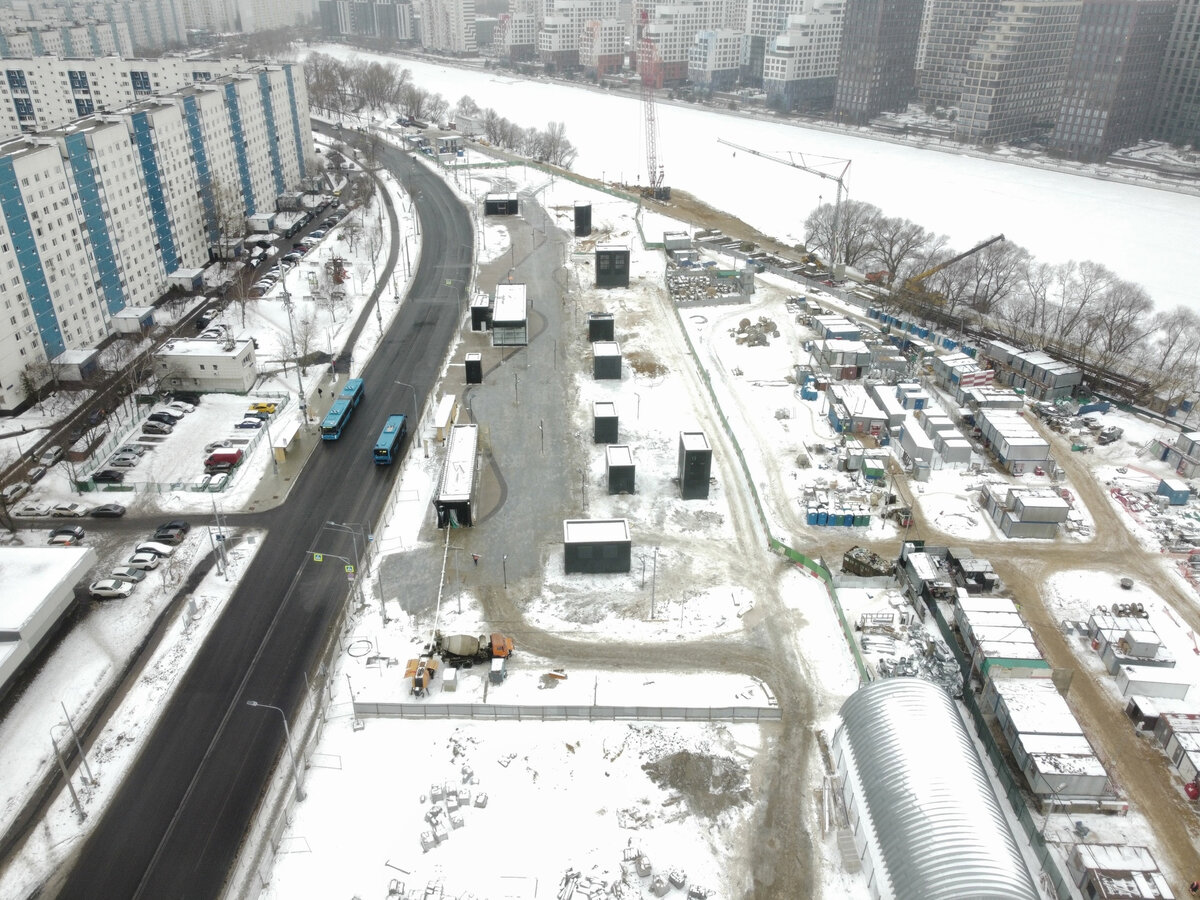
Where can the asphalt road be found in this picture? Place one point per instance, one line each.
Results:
(175, 826)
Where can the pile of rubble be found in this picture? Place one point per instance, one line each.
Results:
(445, 812)
(755, 334)
(926, 655)
(637, 865)
(866, 563)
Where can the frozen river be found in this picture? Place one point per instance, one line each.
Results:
(1145, 235)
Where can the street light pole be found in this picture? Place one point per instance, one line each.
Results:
(504, 563)
(287, 733)
(416, 419)
(653, 582)
(287, 305)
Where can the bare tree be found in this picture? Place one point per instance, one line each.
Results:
(898, 243)
(993, 274)
(855, 227)
(1124, 322)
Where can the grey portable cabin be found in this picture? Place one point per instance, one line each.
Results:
(695, 465)
(604, 422)
(601, 327)
(621, 469)
(606, 361)
(594, 546)
(612, 266)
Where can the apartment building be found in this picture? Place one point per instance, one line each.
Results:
(97, 214)
(447, 26)
(877, 58)
(1108, 99)
(1177, 106)
(92, 39)
(1014, 74)
(951, 29)
(763, 20)
(562, 33)
(801, 64)
(125, 27)
(715, 59)
(517, 33)
(45, 92)
(389, 20)
(602, 46)
(673, 28)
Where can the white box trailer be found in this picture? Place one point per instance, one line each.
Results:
(1153, 681)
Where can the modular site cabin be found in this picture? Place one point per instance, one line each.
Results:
(455, 501)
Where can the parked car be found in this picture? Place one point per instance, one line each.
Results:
(108, 511)
(157, 428)
(182, 408)
(172, 536)
(143, 561)
(317, 235)
(183, 397)
(204, 320)
(110, 589)
(14, 492)
(124, 462)
(63, 540)
(156, 547)
(108, 476)
(1109, 434)
(264, 407)
(75, 532)
(68, 510)
(216, 445)
(218, 482)
(249, 423)
(166, 416)
(293, 257)
(127, 573)
(201, 483)
(32, 509)
(214, 468)
(50, 456)
(136, 449)
(95, 417)
(181, 524)
(35, 474)
(261, 416)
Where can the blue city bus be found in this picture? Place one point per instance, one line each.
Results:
(387, 448)
(343, 407)
(353, 391)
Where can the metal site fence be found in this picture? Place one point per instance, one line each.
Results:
(491, 712)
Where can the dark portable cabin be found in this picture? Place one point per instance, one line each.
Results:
(583, 219)
(612, 266)
(500, 205)
(695, 465)
(481, 312)
(596, 545)
(604, 422)
(601, 327)
(455, 500)
(621, 470)
(606, 360)
(474, 368)
(510, 322)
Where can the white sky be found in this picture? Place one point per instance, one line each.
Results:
(362, 819)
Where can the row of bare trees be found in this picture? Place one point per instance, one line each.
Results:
(341, 87)
(1082, 308)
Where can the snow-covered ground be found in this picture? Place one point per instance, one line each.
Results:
(369, 789)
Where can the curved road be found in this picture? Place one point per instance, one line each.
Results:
(175, 826)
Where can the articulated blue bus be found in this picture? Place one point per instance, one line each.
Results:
(343, 407)
(387, 448)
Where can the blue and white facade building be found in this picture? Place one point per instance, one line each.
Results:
(95, 215)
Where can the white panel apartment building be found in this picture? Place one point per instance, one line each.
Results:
(562, 33)
(518, 32)
(140, 184)
(673, 28)
(448, 26)
(47, 92)
(602, 46)
(715, 59)
(93, 39)
(69, 30)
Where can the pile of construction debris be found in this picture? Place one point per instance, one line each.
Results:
(445, 811)
(755, 334)
(866, 563)
(909, 651)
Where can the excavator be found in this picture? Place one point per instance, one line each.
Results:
(911, 291)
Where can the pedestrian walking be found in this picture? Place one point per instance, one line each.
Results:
(1194, 887)
(475, 558)
(320, 392)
